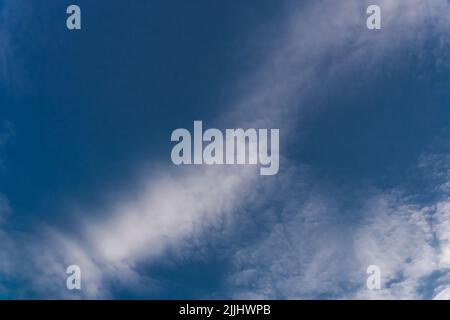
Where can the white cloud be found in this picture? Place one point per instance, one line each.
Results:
(303, 255)
(168, 211)
(398, 238)
(322, 245)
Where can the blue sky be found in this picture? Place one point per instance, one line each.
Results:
(85, 170)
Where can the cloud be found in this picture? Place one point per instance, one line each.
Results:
(411, 243)
(303, 259)
(170, 212)
(399, 239)
(304, 249)
(321, 43)
(309, 247)
(325, 239)
(167, 211)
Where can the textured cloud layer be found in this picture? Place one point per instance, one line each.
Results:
(322, 246)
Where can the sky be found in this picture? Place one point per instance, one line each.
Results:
(86, 176)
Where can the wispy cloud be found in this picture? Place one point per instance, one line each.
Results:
(168, 211)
